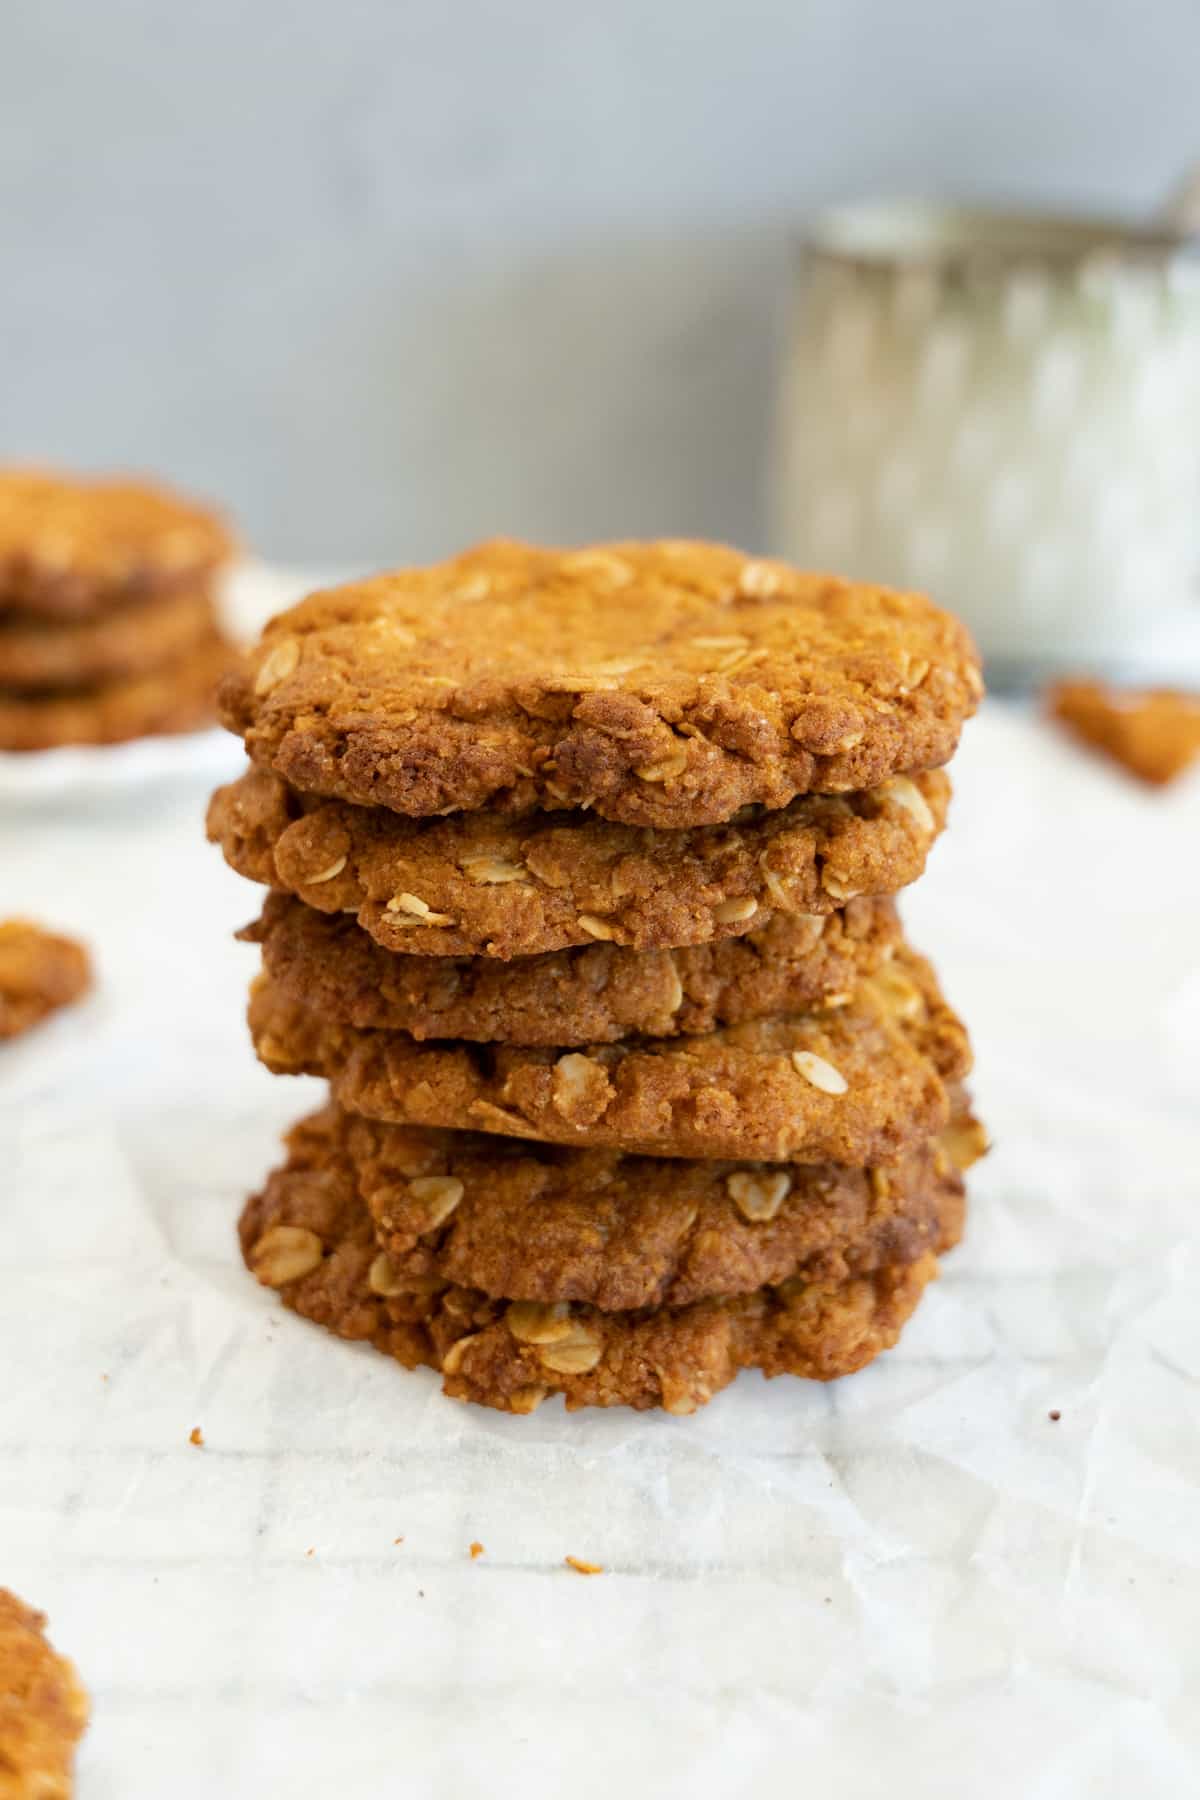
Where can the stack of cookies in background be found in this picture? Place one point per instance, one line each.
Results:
(108, 628)
(582, 868)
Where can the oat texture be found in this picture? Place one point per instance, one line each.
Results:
(592, 994)
(666, 684)
(309, 1236)
(546, 1224)
(483, 884)
(856, 1084)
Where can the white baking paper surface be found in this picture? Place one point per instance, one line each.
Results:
(909, 1583)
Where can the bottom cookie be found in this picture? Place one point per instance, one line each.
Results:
(310, 1236)
(43, 1708)
(177, 697)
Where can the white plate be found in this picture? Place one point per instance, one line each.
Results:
(250, 594)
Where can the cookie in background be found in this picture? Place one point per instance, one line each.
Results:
(109, 627)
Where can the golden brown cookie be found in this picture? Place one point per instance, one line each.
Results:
(482, 884)
(1154, 732)
(541, 1222)
(69, 547)
(857, 1084)
(130, 640)
(309, 1236)
(39, 972)
(664, 684)
(43, 1708)
(589, 995)
(176, 697)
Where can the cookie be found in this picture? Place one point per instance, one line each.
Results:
(176, 697)
(39, 972)
(71, 547)
(1154, 733)
(543, 1223)
(590, 995)
(481, 884)
(856, 1084)
(140, 636)
(309, 1236)
(664, 684)
(43, 1708)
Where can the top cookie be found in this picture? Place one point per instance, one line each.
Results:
(662, 684)
(69, 548)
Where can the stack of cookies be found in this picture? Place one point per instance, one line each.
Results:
(582, 869)
(108, 628)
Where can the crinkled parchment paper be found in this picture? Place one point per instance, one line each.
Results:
(915, 1582)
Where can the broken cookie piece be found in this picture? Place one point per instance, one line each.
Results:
(39, 972)
(1152, 732)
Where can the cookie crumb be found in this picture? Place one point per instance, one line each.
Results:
(1055, 1416)
(476, 1550)
(398, 1540)
(196, 1436)
(1152, 732)
(39, 972)
(583, 1568)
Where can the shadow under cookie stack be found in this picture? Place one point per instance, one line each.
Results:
(582, 869)
(108, 624)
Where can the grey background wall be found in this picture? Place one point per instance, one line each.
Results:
(387, 276)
